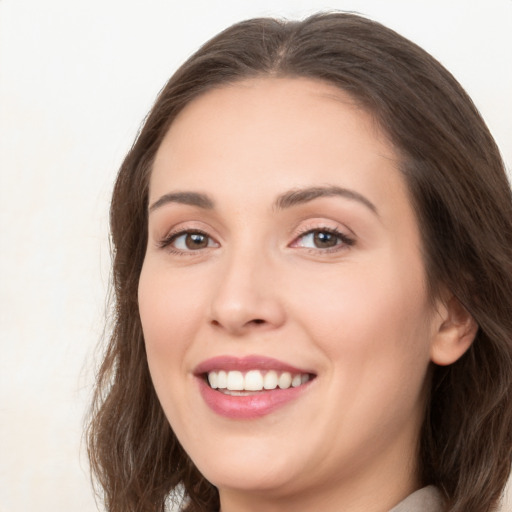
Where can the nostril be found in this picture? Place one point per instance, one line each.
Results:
(238, 326)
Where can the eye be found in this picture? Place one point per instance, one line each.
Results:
(186, 241)
(323, 239)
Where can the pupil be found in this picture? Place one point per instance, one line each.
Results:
(196, 241)
(324, 239)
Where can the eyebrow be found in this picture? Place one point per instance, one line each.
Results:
(189, 198)
(285, 200)
(301, 196)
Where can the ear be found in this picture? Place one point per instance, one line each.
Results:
(455, 333)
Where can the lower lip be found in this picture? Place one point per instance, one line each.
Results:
(250, 406)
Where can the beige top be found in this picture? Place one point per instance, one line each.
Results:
(428, 499)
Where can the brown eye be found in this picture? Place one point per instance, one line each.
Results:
(196, 241)
(187, 241)
(324, 239)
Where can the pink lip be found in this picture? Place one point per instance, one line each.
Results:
(252, 406)
(244, 364)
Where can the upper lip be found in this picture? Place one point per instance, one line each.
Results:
(252, 362)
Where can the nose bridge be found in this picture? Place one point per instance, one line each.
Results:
(246, 296)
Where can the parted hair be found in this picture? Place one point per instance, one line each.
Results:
(463, 204)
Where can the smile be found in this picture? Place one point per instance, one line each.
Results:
(254, 380)
(249, 387)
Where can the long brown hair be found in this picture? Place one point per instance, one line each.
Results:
(463, 204)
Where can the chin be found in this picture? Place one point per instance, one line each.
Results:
(249, 474)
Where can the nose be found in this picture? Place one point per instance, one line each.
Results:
(247, 296)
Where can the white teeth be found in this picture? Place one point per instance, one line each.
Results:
(296, 381)
(254, 380)
(222, 379)
(235, 381)
(285, 380)
(213, 379)
(270, 380)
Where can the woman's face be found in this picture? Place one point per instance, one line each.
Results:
(283, 251)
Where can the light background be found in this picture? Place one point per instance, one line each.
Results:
(76, 79)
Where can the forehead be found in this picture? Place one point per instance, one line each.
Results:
(271, 104)
(267, 134)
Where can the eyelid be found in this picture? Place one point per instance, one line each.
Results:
(344, 234)
(171, 236)
(347, 240)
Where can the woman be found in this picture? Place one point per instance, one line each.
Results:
(313, 275)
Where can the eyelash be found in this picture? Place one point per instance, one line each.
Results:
(345, 240)
(167, 242)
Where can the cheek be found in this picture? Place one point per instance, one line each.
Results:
(374, 331)
(169, 316)
(169, 307)
(168, 312)
(370, 315)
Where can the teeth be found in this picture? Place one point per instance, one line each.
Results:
(296, 381)
(254, 380)
(213, 380)
(235, 381)
(285, 380)
(222, 380)
(270, 380)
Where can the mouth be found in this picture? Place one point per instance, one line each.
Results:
(238, 383)
(250, 387)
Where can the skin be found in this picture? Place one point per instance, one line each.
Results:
(356, 315)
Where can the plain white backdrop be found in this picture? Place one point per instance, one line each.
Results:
(76, 79)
